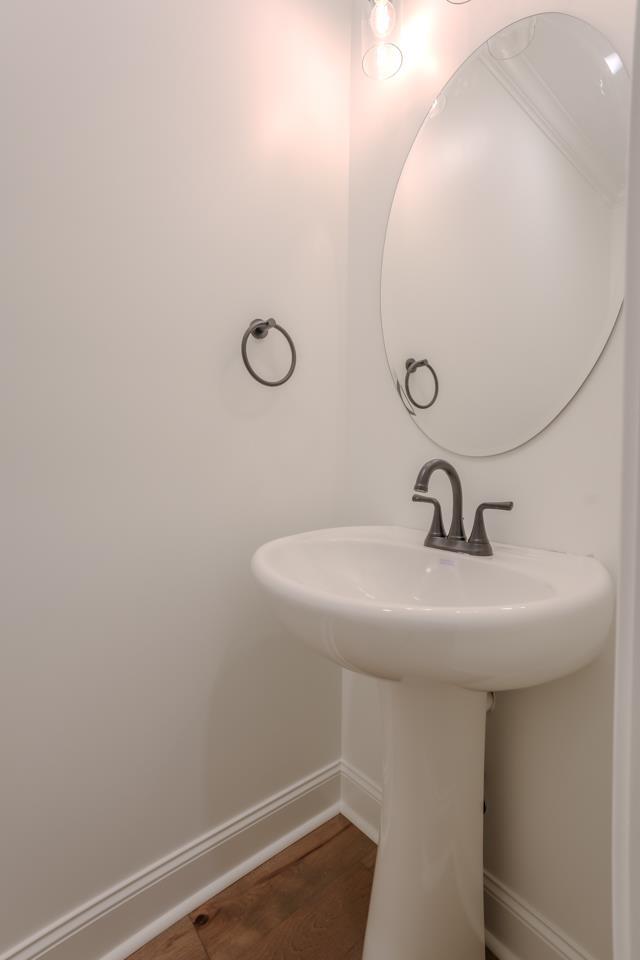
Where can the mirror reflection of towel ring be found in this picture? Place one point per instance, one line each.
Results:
(411, 366)
(259, 329)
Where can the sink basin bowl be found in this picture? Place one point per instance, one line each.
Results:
(375, 600)
(438, 629)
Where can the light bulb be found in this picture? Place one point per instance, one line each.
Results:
(382, 61)
(382, 19)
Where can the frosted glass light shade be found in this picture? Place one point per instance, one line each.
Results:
(382, 61)
(381, 24)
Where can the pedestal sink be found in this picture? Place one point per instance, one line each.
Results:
(439, 630)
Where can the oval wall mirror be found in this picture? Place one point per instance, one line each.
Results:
(503, 263)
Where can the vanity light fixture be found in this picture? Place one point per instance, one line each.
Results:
(382, 58)
(382, 18)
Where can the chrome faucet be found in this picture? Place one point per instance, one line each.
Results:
(478, 544)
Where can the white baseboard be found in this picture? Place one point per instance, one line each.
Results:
(531, 936)
(361, 800)
(498, 948)
(515, 930)
(122, 919)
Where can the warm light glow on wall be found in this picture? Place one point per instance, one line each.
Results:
(382, 57)
(419, 40)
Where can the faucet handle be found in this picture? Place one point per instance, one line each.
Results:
(437, 527)
(479, 541)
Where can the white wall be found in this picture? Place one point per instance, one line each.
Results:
(170, 170)
(549, 749)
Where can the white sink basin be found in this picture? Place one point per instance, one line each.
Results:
(448, 627)
(376, 600)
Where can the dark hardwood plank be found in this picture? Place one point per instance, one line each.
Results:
(317, 838)
(179, 942)
(233, 923)
(310, 902)
(328, 927)
(356, 951)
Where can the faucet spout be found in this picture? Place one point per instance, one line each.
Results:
(456, 530)
(478, 544)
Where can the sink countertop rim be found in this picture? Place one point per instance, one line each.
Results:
(600, 579)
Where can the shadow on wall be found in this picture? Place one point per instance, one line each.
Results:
(526, 756)
(253, 677)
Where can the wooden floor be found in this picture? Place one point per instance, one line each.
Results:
(309, 902)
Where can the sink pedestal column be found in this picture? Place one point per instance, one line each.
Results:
(427, 898)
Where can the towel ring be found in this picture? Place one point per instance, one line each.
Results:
(259, 330)
(411, 366)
